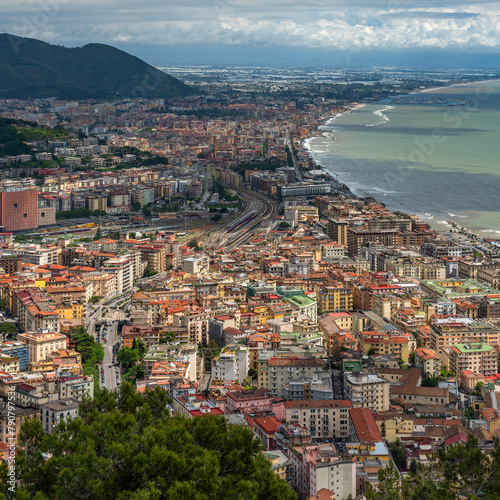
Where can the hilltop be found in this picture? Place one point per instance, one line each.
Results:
(31, 68)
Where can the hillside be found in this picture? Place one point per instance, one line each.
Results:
(34, 69)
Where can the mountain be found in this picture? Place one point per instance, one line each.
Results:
(34, 69)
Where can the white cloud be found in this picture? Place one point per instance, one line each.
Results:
(337, 24)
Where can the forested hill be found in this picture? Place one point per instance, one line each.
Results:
(31, 68)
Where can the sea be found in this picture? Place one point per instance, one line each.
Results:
(434, 153)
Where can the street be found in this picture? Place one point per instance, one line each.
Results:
(110, 374)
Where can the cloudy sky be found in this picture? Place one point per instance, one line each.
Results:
(279, 29)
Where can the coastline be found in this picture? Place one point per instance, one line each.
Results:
(328, 117)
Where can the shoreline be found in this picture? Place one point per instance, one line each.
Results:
(330, 115)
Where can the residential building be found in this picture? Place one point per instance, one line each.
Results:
(55, 412)
(40, 345)
(194, 405)
(254, 400)
(316, 389)
(36, 311)
(282, 370)
(366, 390)
(427, 360)
(478, 358)
(323, 419)
(334, 298)
(231, 364)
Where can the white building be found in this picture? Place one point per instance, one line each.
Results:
(195, 265)
(232, 364)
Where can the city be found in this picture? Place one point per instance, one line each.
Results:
(194, 247)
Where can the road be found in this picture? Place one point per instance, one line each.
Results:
(110, 376)
(102, 320)
(298, 174)
(337, 383)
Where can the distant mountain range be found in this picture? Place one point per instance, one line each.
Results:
(34, 69)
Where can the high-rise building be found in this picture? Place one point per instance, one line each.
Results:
(19, 209)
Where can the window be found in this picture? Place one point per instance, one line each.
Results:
(15, 205)
(25, 216)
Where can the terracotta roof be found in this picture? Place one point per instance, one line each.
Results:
(364, 425)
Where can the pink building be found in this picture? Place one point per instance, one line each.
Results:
(255, 400)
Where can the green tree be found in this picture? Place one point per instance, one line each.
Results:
(284, 225)
(390, 487)
(428, 381)
(167, 337)
(136, 207)
(398, 452)
(8, 329)
(472, 472)
(371, 352)
(98, 234)
(124, 445)
(148, 273)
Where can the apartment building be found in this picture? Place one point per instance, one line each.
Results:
(282, 370)
(478, 358)
(101, 284)
(195, 405)
(124, 269)
(55, 412)
(42, 344)
(366, 390)
(332, 251)
(196, 266)
(386, 343)
(446, 332)
(324, 419)
(9, 426)
(333, 298)
(316, 389)
(255, 400)
(17, 350)
(304, 305)
(357, 237)
(231, 364)
(39, 255)
(36, 311)
(427, 360)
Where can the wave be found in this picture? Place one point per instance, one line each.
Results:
(455, 215)
(380, 114)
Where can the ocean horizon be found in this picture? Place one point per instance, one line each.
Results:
(435, 154)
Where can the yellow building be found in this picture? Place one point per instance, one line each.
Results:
(392, 345)
(333, 298)
(393, 427)
(71, 310)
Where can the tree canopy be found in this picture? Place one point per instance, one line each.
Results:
(459, 471)
(125, 446)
